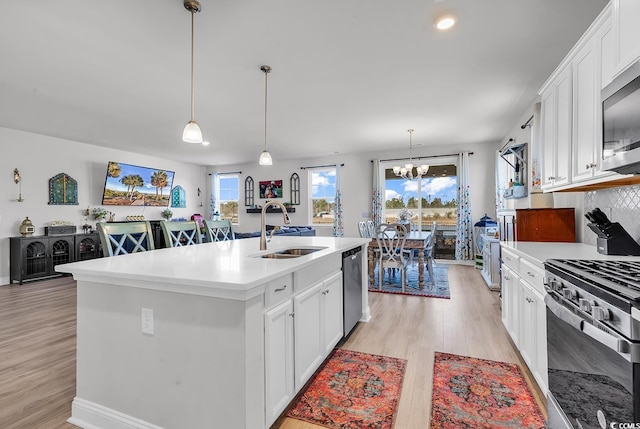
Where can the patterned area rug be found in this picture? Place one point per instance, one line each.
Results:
(352, 391)
(391, 283)
(481, 394)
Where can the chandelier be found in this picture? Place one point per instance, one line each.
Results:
(192, 132)
(406, 172)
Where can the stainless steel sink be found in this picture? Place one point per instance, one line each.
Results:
(291, 253)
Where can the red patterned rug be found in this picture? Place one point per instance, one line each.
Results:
(352, 391)
(481, 394)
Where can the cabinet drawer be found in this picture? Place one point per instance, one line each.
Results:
(532, 274)
(278, 290)
(511, 260)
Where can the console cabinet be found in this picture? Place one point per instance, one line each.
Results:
(36, 257)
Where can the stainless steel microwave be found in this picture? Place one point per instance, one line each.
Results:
(621, 122)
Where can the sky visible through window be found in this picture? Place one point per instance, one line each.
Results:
(443, 188)
(323, 194)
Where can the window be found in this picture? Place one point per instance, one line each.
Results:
(322, 184)
(430, 198)
(229, 191)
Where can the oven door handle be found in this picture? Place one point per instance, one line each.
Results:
(563, 314)
(629, 351)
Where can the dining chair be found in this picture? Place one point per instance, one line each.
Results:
(429, 253)
(391, 238)
(372, 228)
(178, 234)
(364, 231)
(219, 230)
(127, 237)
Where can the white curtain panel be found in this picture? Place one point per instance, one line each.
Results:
(376, 198)
(464, 225)
(338, 221)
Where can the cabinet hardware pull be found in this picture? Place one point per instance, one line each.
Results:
(588, 166)
(292, 314)
(281, 288)
(593, 164)
(530, 275)
(507, 278)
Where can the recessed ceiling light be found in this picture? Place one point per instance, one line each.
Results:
(445, 22)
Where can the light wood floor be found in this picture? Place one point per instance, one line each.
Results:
(37, 346)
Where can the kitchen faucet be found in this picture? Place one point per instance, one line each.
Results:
(263, 232)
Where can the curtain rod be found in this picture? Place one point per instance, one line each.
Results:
(423, 157)
(320, 166)
(527, 124)
(228, 172)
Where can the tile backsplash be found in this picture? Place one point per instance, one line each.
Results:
(619, 204)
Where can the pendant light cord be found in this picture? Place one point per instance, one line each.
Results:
(192, 90)
(410, 144)
(266, 70)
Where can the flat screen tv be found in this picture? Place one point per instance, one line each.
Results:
(132, 185)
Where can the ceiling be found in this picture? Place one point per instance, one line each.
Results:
(348, 76)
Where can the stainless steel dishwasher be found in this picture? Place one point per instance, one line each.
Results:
(352, 288)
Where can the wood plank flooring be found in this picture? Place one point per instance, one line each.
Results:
(37, 346)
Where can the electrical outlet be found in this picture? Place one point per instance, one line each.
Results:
(148, 326)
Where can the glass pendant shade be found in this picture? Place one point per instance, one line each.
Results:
(192, 133)
(265, 158)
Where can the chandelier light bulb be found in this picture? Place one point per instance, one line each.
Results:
(396, 170)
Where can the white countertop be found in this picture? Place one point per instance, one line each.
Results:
(539, 252)
(227, 269)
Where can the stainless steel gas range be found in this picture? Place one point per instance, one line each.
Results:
(593, 343)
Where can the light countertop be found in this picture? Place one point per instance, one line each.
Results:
(539, 252)
(227, 269)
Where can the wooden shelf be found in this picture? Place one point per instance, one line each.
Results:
(272, 209)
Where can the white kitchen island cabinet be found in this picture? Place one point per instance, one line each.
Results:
(218, 349)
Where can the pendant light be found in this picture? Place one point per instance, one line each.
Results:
(192, 132)
(265, 156)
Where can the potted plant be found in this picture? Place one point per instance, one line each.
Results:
(405, 215)
(99, 213)
(166, 214)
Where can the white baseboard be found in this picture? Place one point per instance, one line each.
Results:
(4, 280)
(89, 415)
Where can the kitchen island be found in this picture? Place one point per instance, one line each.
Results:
(211, 335)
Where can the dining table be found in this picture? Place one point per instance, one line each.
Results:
(414, 240)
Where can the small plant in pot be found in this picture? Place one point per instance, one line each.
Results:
(166, 214)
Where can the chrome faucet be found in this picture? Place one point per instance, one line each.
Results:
(263, 233)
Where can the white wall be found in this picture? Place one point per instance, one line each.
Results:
(38, 158)
(356, 184)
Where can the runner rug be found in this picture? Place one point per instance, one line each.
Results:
(391, 282)
(481, 394)
(352, 391)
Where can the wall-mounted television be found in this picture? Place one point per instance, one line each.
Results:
(132, 185)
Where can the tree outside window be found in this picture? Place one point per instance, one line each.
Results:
(322, 182)
(229, 191)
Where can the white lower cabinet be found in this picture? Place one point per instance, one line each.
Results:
(524, 314)
(299, 334)
(309, 349)
(278, 343)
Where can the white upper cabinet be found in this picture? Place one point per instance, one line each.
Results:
(556, 130)
(626, 33)
(571, 114)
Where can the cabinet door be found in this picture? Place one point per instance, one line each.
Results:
(61, 251)
(309, 341)
(584, 114)
(506, 295)
(548, 115)
(563, 128)
(540, 351)
(514, 312)
(278, 360)
(626, 14)
(527, 325)
(332, 312)
(35, 258)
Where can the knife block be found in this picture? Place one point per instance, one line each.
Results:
(613, 239)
